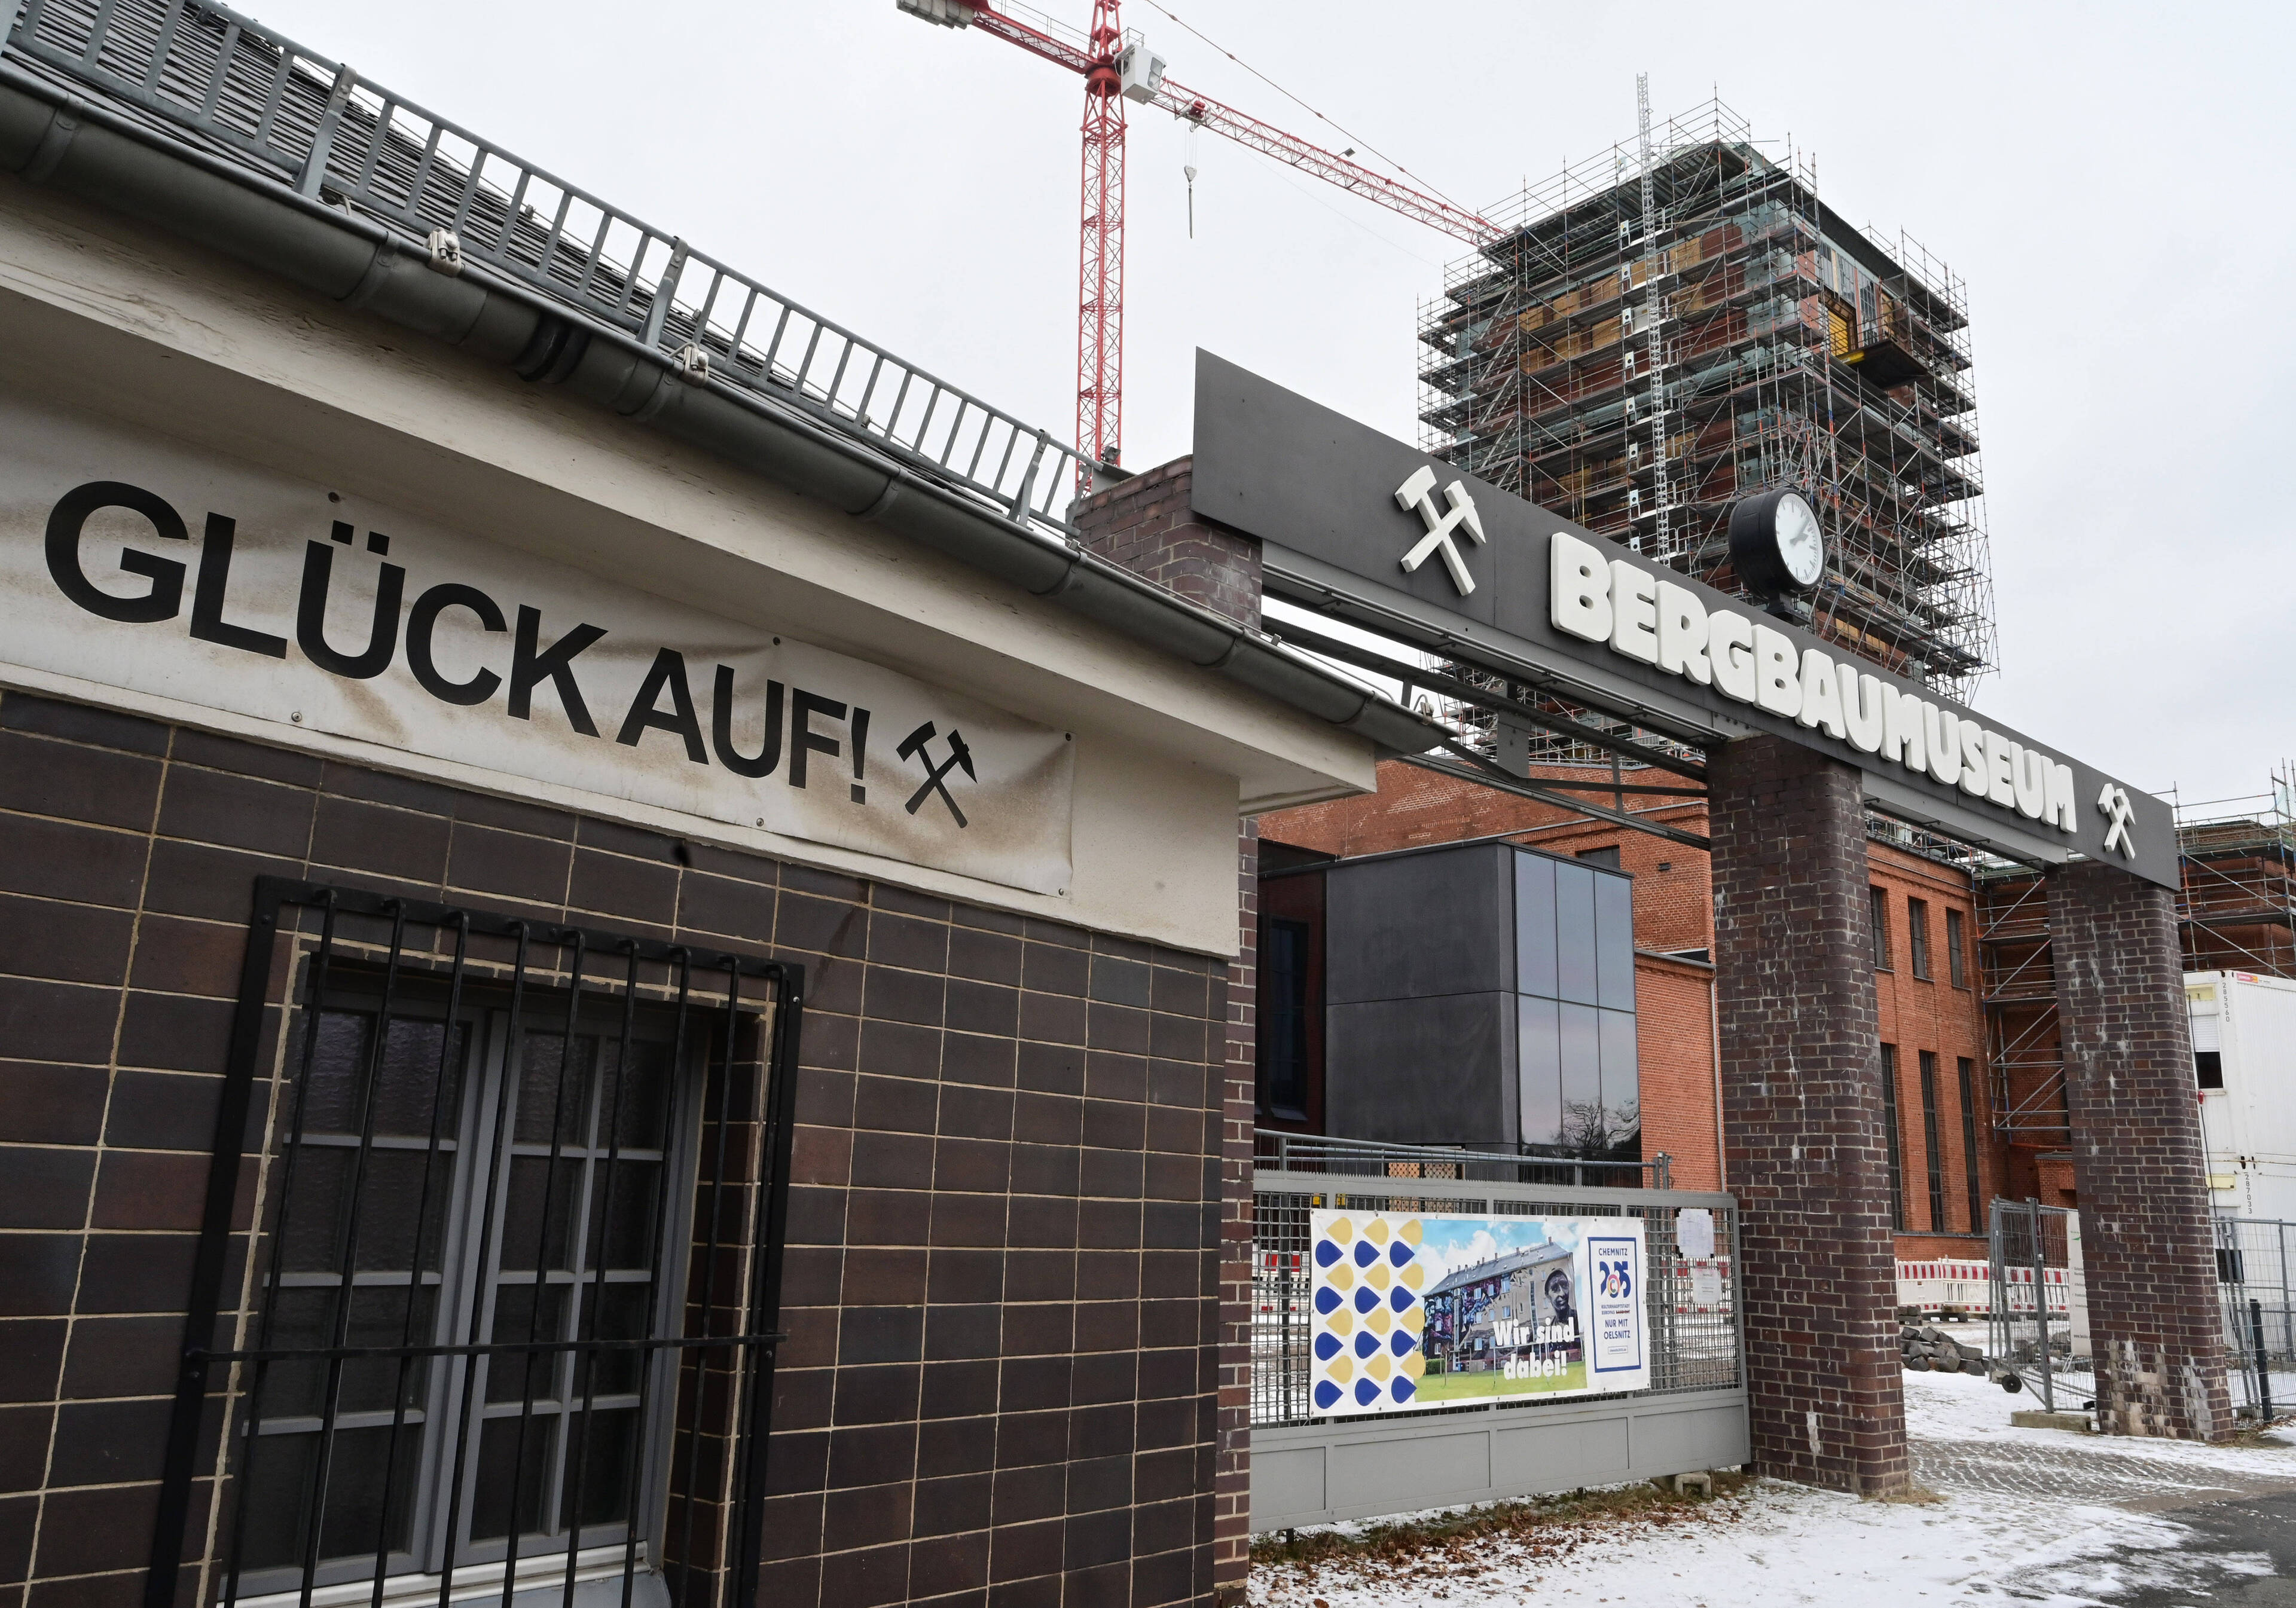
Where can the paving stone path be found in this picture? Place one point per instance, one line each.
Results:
(2076, 1473)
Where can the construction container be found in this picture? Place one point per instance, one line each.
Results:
(2244, 1066)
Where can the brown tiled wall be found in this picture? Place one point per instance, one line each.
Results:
(1802, 1117)
(1002, 1289)
(2146, 1248)
(1146, 524)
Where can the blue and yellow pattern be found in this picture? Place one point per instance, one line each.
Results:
(1368, 1318)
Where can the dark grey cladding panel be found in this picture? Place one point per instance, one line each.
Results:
(1422, 1071)
(1419, 925)
(1319, 489)
(1346, 513)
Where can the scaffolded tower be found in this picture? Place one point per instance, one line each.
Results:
(1667, 329)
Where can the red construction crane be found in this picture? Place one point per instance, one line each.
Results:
(1116, 70)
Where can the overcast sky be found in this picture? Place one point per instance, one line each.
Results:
(2113, 183)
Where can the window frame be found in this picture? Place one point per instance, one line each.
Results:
(1918, 936)
(312, 950)
(1935, 1159)
(1965, 1073)
(1891, 1138)
(1877, 903)
(465, 1282)
(1956, 944)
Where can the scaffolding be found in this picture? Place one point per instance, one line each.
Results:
(1671, 326)
(2236, 909)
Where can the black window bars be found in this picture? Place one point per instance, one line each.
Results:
(492, 1315)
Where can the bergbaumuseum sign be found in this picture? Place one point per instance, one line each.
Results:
(1366, 527)
(131, 562)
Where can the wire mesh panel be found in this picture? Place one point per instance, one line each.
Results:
(2030, 1321)
(1690, 1303)
(484, 1300)
(2253, 1268)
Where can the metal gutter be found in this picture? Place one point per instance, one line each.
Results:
(65, 142)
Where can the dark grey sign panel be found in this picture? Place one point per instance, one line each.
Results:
(1321, 491)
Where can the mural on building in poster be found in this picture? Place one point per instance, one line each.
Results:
(1414, 1310)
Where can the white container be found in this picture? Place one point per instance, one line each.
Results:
(2247, 1022)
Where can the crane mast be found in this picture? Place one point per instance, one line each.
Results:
(1115, 71)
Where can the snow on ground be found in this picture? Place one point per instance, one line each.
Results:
(2004, 1526)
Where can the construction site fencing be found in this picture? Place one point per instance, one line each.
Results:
(2254, 1258)
(2036, 1301)
(1694, 1321)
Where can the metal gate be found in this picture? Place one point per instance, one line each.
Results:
(2253, 1265)
(484, 1299)
(2030, 1321)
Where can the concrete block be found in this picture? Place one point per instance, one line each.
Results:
(2035, 1418)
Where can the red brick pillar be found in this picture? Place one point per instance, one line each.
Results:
(1144, 524)
(2138, 1161)
(1802, 1117)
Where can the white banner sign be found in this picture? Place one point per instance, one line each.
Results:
(133, 561)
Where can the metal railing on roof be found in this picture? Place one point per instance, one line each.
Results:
(295, 119)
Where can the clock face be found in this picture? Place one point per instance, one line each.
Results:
(1801, 545)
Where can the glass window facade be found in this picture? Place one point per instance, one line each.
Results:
(1578, 1070)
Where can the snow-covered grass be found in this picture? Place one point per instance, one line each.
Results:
(1767, 1543)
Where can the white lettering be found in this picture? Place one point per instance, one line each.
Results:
(2032, 788)
(2057, 808)
(1863, 708)
(1942, 732)
(1974, 777)
(1778, 669)
(1633, 612)
(1821, 697)
(1682, 634)
(2001, 770)
(1580, 590)
(1730, 652)
(1901, 728)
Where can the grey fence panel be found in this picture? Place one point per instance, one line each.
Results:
(1307, 1469)
(2255, 1257)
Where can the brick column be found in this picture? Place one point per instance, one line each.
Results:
(2138, 1161)
(1802, 1117)
(1144, 524)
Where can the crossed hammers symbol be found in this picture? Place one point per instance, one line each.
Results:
(1415, 493)
(2115, 802)
(959, 756)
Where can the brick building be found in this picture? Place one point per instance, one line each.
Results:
(1930, 1017)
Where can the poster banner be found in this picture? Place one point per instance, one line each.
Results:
(130, 560)
(1416, 1311)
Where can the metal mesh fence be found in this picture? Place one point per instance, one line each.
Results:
(1691, 1305)
(2030, 1324)
(2253, 1263)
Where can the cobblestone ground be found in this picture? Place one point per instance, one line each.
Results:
(2075, 1472)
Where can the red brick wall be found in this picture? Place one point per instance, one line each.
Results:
(1674, 1037)
(1801, 1101)
(2146, 1245)
(1917, 1015)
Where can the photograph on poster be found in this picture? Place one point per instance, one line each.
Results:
(1414, 1310)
